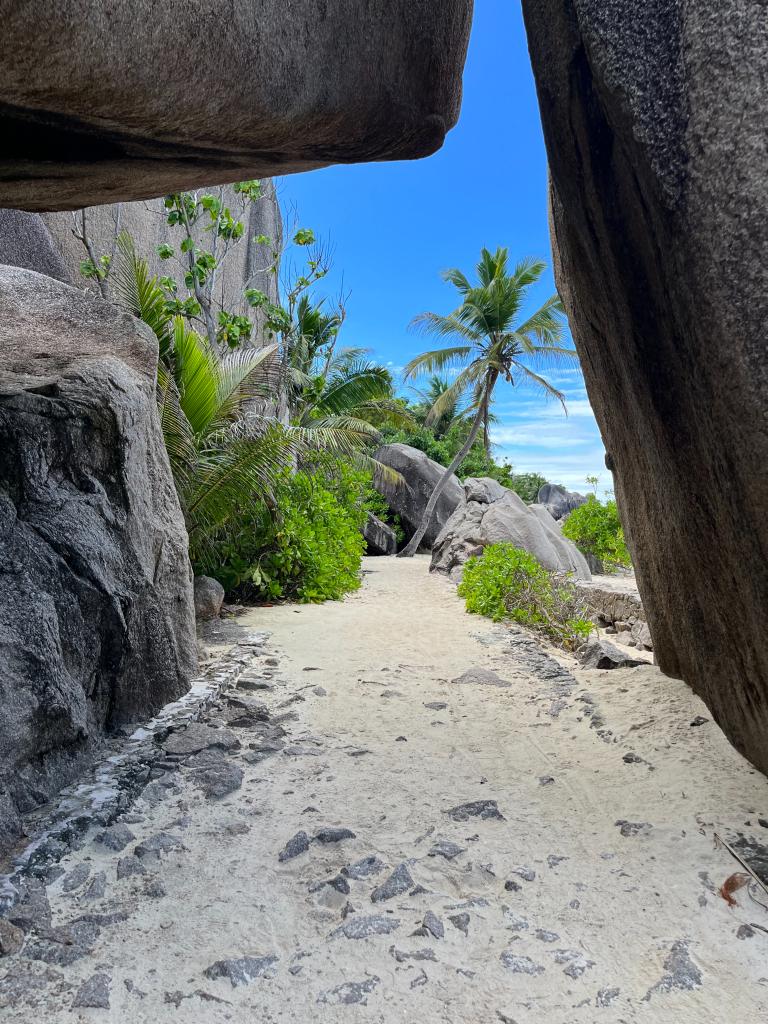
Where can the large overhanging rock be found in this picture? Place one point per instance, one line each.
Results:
(408, 498)
(655, 123)
(127, 99)
(492, 514)
(96, 610)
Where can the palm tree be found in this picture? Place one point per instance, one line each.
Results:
(492, 344)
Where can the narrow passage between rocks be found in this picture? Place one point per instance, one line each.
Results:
(401, 812)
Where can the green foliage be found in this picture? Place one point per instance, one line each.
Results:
(307, 547)
(508, 583)
(595, 529)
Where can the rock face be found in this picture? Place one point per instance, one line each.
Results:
(96, 613)
(492, 514)
(558, 501)
(46, 243)
(379, 537)
(88, 124)
(409, 499)
(654, 120)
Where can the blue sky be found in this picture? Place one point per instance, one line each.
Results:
(394, 226)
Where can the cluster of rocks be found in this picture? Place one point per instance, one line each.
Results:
(618, 609)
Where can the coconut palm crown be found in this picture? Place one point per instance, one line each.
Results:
(493, 341)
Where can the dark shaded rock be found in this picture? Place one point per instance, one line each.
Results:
(512, 886)
(11, 938)
(219, 780)
(155, 846)
(32, 911)
(520, 964)
(396, 884)
(364, 868)
(460, 922)
(492, 514)
(128, 866)
(745, 932)
(633, 828)
(295, 846)
(26, 243)
(339, 883)
(96, 619)
(116, 837)
(196, 737)
(380, 538)
(698, 720)
(576, 963)
(526, 873)
(70, 146)
(409, 499)
(606, 996)
(600, 653)
(655, 140)
(209, 597)
(436, 705)
(545, 936)
(350, 992)
(361, 927)
(486, 809)
(94, 992)
(333, 835)
(558, 501)
(76, 877)
(242, 970)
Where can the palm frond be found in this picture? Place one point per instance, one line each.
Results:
(436, 360)
(138, 291)
(540, 383)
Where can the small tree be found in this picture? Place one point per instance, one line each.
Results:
(493, 344)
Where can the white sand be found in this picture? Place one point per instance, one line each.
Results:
(619, 907)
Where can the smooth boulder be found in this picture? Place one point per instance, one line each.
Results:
(409, 496)
(96, 611)
(379, 537)
(131, 99)
(655, 125)
(559, 501)
(209, 597)
(492, 514)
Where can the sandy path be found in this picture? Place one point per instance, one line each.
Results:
(593, 925)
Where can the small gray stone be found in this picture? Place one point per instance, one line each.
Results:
(219, 780)
(601, 654)
(633, 828)
(553, 860)
(512, 886)
(295, 846)
(242, 970)
(93, 993)
(128, 866)
(364, 868)
(319, 691)
(745, 932)
(350, 992)
(418, 954)
(576, 962)
(516, 922)
(460, 922)
(682, 973)
(155, 846)
(520, 964)
(526, 873)
(11, 938)
(431, 925)
(445, 848)
(96, 887)
(358, 927)
(116, 837)
(606, 996)
(486, 809)
(396, 884)
(544, 936)
(481, 677)
(76, 877)
(436, 705)
(196, 737)
(333, 835)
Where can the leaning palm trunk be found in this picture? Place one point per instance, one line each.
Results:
(412, 546)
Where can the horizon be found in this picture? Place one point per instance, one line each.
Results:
(387, 217)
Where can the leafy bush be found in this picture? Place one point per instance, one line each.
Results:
(506, 582)
(596, 530)
(307, 548)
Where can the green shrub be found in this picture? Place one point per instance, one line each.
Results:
(596, 530)
(308, 548)
(506, 582)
